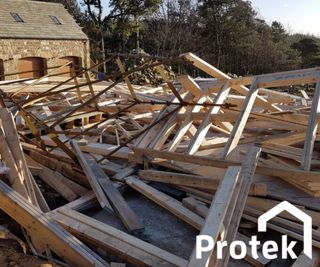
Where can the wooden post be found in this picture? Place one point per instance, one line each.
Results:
(311, 130)
(241, 120)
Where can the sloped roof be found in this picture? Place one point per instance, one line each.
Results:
(37, 21)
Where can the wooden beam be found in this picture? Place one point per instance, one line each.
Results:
(103, 201)
(214, 72)
(282, 226)
(60, 166)
(16, 180)
(189, 84)
(165, 201)
(248, 168)
(103, 187)
(294, 174)
(126, 79)
(55, 180)
(204, 127)
(201, 209)
(119, 205)
(214, 222)
(66, 246)
(12, 140)
(116, 242)
(180, 179)
(186, 125)
(311, 130)
(241, 120)
(161, 70)
(81, 204)
(169, 125)
(267, 204)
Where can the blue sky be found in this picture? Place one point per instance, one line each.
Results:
(295, 15)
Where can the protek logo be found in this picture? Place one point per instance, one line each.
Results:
(270, 248)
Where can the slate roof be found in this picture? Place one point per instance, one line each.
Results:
(37, 21)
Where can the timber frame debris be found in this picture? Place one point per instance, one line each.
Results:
(229, 147)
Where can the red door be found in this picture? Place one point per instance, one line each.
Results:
(31, 67)
(75, 64)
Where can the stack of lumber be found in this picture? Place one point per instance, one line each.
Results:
(216, 155)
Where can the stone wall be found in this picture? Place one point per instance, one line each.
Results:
(11, 50)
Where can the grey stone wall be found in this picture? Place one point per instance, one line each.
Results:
(11, 50)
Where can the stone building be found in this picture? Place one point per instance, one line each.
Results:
(36, 37)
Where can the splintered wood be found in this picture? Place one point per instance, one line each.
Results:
(213, 154)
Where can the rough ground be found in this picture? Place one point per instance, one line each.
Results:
(11, 255)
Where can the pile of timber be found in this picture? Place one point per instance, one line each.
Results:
(233, 147)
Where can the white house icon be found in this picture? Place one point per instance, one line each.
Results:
(305, 218)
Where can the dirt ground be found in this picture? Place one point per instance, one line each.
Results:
(11, 255)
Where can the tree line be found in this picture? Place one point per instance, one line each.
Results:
(227, 33)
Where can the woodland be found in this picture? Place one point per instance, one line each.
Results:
(229, 34)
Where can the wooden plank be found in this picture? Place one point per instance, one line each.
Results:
(78, 189)
(59, 166)
(304, 94)
(55, 180)
(204, 127)
(66, 246)
(248, 168)
(120, 206)
(185, 126)
(161, 70)
(241, 120)
(294, 174)
(75, 79)
(261, 261)
(116, 242)
(202, 210)
(218, 209)
(196, 206)
(311, 130)
(195, 181)
(102, 183)
(16, 180)
(126, 79)
(214, 72)
(295, 77)
(123, 173)
(83, 203)
(180, 179)
(144, 140)
(105, 149)
(283, 151)
(12, 139)
(86, 74)
(224, 234)
(169, 125)
(267, 204)
(165, 201)
(48, 112)
(104, 203)
(292, 123)
(282, 226)
(189, 84)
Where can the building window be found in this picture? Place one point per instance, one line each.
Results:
(16, 17)
(55, 20)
